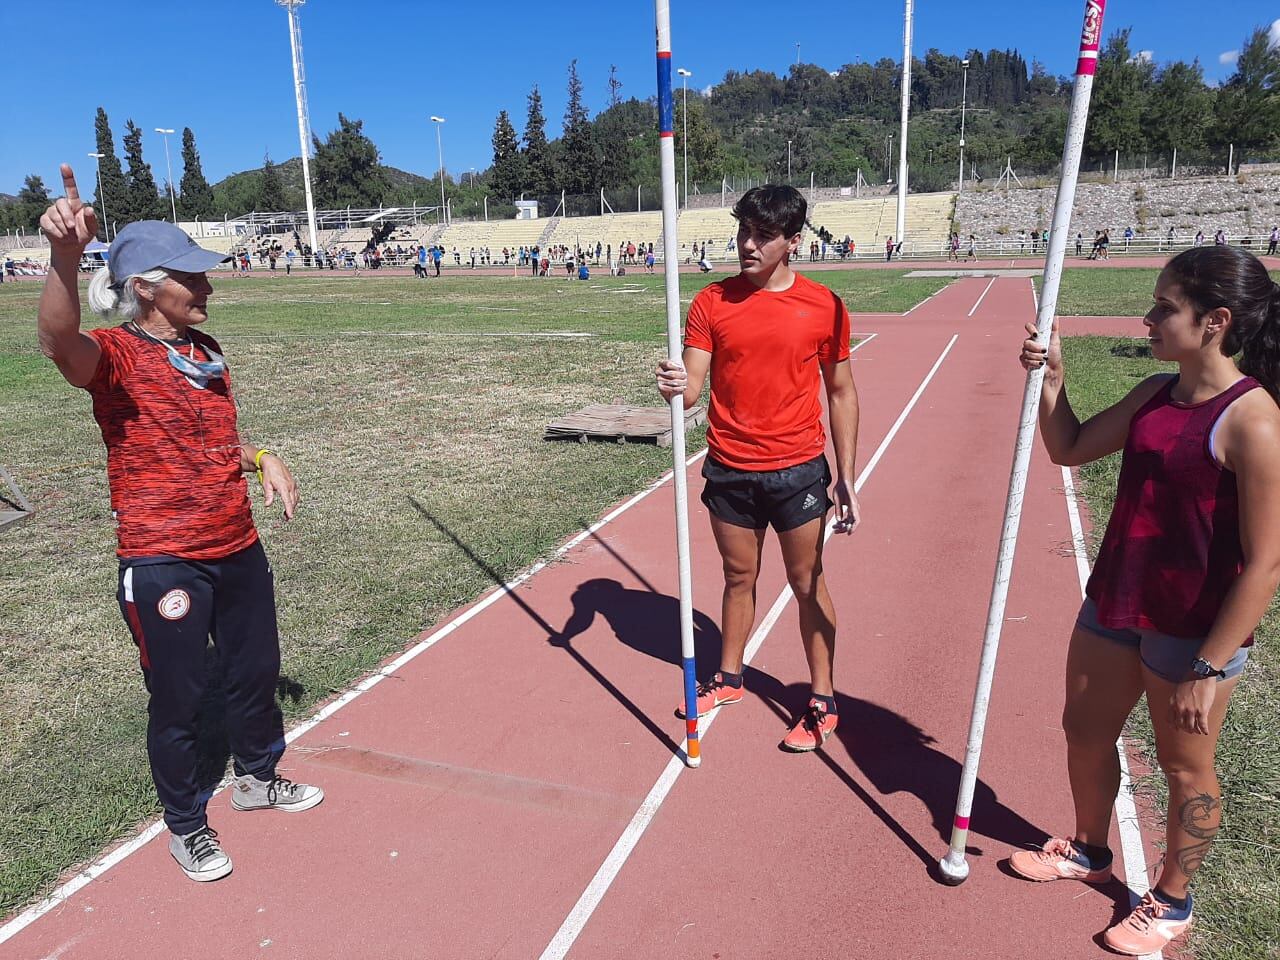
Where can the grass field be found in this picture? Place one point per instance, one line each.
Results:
(1114, 292)
(1238, 889)
(411, 413)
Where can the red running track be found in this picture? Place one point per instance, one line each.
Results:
(473, 795)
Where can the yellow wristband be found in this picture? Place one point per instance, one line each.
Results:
(257, 461)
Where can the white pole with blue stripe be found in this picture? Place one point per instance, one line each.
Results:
(671, 272)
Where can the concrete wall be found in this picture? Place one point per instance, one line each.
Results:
(1245, 205)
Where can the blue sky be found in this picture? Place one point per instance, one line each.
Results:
(223, 68)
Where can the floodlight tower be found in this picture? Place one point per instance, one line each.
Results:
(173, 198)
(304, 119)
(906, 110)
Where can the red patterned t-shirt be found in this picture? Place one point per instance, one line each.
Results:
(173, 451)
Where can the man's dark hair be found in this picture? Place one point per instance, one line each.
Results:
(772, 209)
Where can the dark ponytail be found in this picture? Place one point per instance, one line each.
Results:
(1224, 276)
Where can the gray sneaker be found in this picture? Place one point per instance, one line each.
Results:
(250, 793)
(199, 854)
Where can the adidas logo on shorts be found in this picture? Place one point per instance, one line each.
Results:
(810, 501)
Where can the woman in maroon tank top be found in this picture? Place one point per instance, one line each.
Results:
(1187, 568)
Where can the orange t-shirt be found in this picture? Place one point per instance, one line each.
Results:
(173, 452)
(766, 349)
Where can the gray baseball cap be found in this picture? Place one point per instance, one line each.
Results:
(148, 244)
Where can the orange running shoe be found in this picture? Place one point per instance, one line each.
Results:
(812, 730)
(713, 693)
(1056, 860)
(1149, 928)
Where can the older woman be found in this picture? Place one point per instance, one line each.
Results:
(191, 565)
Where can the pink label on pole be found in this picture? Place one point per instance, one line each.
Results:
(962, 823)
(1091, 37)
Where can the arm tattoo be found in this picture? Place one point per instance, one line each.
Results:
(1199, 815)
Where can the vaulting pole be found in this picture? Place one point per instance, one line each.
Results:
(671, 271)
(953, 866)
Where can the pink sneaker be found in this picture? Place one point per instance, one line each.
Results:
(1054, 861)
(812, 730)
(713, 693)
(1149, 928)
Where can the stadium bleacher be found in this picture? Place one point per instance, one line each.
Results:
(867, 221)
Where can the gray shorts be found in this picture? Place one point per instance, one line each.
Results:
(1165, 656)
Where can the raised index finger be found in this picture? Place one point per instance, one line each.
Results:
(69, 183)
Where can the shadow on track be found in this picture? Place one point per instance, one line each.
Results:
(897, 756)
(554, 636)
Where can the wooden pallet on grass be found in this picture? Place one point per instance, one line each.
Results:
(621, 423)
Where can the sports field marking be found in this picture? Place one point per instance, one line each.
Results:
(911, 310)
(581, 913)
(151, 831)
(864, 339)
(983, 297)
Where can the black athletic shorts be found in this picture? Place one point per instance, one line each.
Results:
(786, 498)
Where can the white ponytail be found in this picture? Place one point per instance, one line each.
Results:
(105, 299)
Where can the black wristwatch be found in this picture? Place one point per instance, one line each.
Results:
(1203, 669)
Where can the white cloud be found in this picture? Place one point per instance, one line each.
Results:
(706, 91)
(1274, 33)
(1229, 58)
(1144, 56)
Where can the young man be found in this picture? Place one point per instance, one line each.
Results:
(769, 336)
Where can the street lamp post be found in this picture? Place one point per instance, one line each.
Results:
(102, 197)
(173, 202)
(686, 74)
(964, 99)
(440, 151)
(788, 163)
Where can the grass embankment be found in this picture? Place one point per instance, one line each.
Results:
(1238, 889)
(389, 398)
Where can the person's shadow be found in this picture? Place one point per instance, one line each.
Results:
(646, 621)
(897, 756)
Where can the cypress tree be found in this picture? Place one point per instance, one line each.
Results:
(508, 174)
(112, 199)
(196, 196)
(142, 201)
(539, 171)
(581, 159)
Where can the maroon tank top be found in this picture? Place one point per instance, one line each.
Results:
(1172, 549)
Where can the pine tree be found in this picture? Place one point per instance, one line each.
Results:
(142, 199)
(33, 200)
(270, 189)
(1120, 96)
(508, 164)
(346, 170)
(1249, 102)
(581, 159)
(539, 170)
(111, 199)
(196, 196)
(706, 154)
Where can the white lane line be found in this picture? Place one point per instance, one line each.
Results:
(924, 301)
(151, 831)
(983, 297)
(582, 910)
(863, 342)
(1130, 827)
